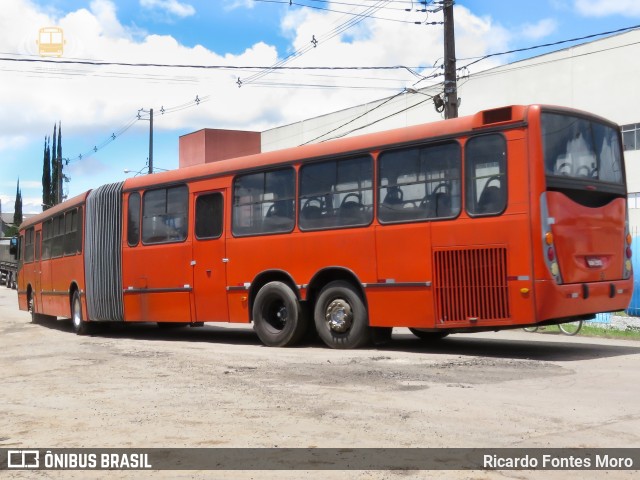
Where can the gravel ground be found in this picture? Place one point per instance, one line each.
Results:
(217, 386)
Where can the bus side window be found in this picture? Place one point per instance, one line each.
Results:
(486, 175)
(133, 219)
(164, 217)
(28, 245)
(336, 193)
(209, 216)
(47, 232)
(57, 249)
(419, 183)
(264, 202)
(70, 232)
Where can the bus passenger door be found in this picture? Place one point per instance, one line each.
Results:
(209, 258)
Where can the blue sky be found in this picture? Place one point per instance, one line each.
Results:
(94, 102)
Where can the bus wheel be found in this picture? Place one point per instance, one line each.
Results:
(428, 336)
(278, 318)
(341, 317)
(32, 309)
(79, 325)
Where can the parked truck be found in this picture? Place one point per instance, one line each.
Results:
(8, 262)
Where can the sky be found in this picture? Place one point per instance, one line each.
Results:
(224, 50)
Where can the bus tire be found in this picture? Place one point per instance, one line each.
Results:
(341, 317)
(278, 318)
(428, 336)
(80, 326)
(31, 305)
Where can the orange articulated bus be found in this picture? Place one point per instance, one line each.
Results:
(511, 217)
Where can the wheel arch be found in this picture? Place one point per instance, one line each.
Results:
(270, 276)
(331, 274)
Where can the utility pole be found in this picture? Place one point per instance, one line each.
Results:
(150, 112)
(150, 140)
(450, 74)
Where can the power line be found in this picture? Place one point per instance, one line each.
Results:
(380, 119)
(325, 9)
(552, 44)
(144, 116)
(314, 42)
(354, 119)
(100, 63)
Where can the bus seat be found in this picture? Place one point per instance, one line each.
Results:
(491, 200)
(393, 196)
(442, 205)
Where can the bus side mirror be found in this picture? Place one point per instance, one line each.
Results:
(13, 247)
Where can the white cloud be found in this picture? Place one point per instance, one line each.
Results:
(602, 8)
(94, 101)
(541, 29)
(173, 7)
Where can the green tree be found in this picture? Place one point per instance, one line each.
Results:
(46, 176)
(56, 165)
(54, 169)
(17, 209)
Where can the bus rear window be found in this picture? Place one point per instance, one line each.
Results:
(581, 149)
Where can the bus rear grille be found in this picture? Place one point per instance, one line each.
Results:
(471, 285)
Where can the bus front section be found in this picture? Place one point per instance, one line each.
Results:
(584, 244)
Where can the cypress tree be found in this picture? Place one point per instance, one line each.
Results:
(54, 170)
(46, 176)
(17, 210)
(59, 155)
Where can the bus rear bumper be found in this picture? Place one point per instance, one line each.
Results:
(577, 299)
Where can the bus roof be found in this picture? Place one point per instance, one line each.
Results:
(345, 146)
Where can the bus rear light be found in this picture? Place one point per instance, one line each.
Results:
(549, 255)
(548, 238)
(627, 265)
(628, 252)
(629, 239)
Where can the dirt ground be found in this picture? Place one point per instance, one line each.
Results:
(217, 386)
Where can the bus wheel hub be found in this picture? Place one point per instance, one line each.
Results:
(339, 316)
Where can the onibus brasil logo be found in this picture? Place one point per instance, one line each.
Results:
(51, 42)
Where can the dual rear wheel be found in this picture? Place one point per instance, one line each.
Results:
(339, 316)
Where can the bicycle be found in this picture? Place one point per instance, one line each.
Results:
(569, 328)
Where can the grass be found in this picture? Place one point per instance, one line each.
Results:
(591, 330)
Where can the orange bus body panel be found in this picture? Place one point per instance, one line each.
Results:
(468, 272)
(50, 280)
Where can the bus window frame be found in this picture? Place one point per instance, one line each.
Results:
(57, 239)
(460, 179)
(139, 219)
(474, 178)
(166, 188)
(336, 159)
(73, 246)
(562, 183)
(195, 216)
(29, 232)
(233, 205)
